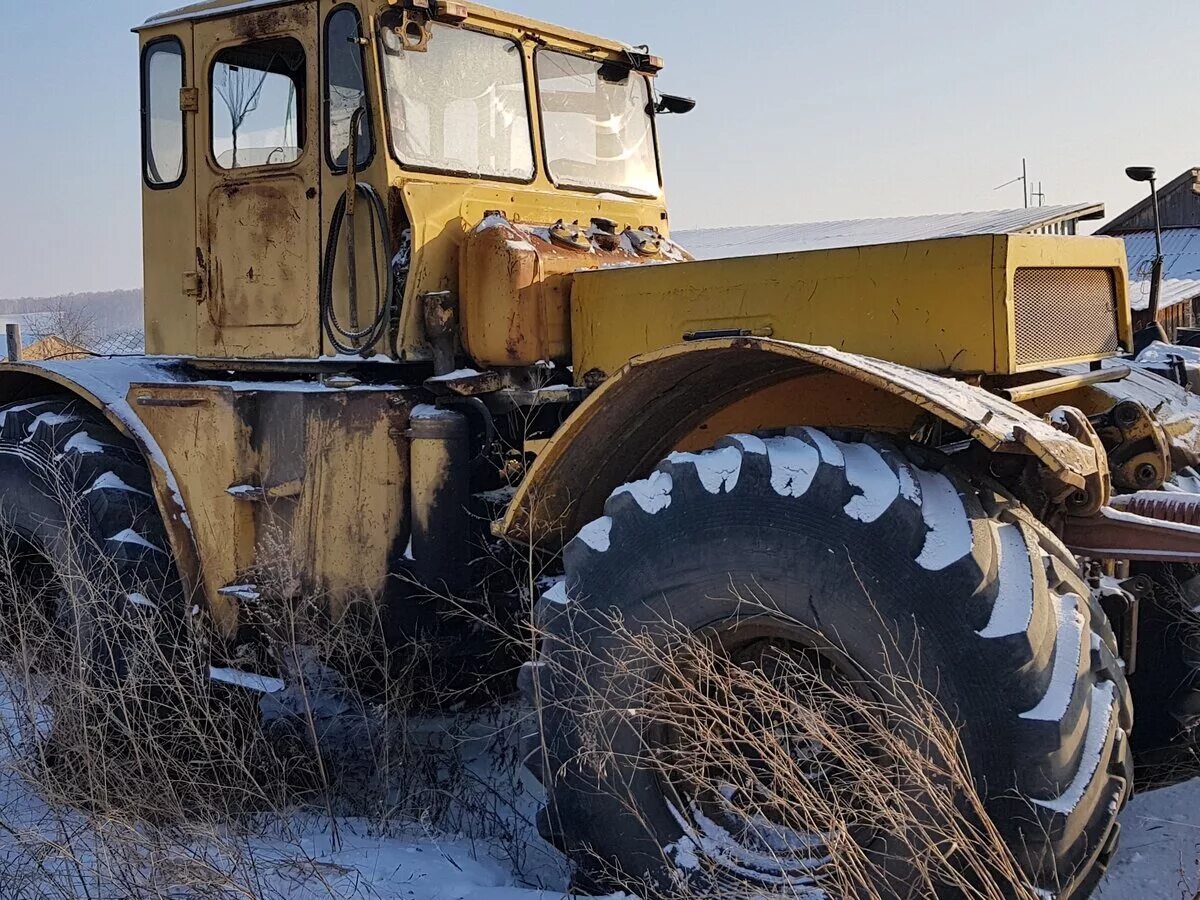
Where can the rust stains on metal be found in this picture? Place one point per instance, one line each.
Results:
(280, 20)
(1150, 526)
(470, 384)
(1183, 509)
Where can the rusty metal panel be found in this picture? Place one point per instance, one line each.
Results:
(250, 476)
(515, 283)
(258, 226)
(207, 9)
(302, 486)
(257, 282)
(941, 306)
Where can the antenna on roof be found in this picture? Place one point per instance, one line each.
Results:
(1023, 178)
(1040, 195)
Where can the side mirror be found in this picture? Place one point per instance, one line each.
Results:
(672, 105)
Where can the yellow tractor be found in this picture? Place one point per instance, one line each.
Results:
(411, 290)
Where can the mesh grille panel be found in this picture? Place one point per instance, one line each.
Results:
(1064, 314)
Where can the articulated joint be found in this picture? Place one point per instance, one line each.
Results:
(1139, 453)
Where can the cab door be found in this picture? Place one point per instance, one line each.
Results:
(257, 203)
(169, 191)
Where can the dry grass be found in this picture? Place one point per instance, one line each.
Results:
(845, 788)
(1177, 595)
(163, 784)
(158, 786)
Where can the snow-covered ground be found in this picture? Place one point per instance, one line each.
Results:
(1158, 860)
(493, 853)
(46, 852)
(1160, 848)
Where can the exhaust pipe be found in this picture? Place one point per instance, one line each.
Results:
(440, 462)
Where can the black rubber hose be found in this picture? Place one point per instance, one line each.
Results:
(355, 341)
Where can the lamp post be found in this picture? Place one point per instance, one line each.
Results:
(1144, 174)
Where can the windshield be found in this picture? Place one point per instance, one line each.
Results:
(598, 129)
(458, 105)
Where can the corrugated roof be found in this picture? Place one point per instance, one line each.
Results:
(761, 240)
(1181, 266)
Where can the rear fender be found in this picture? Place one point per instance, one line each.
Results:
(106, 385)
(298, 488)
(661, 401)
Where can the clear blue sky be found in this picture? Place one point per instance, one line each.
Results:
(816, 110)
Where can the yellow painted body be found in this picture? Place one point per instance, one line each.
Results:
(314, 483)
(516, 281)
(299, 492)
(941, 305)
(296, 488)
(252, 238)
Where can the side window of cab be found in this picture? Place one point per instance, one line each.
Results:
(345, 89)
(163, 140)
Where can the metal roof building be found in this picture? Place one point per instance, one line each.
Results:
(761, 240)
(1179, 206)
(1181, 266)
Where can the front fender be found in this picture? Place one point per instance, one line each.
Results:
(643, 412)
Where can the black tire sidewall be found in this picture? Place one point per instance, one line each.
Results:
(44, 500)
(855, 584)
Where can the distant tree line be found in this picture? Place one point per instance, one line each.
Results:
(99, 312)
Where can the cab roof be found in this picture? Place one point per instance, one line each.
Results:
(211, 9)
(207, 9)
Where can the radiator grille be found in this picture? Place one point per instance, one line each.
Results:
(1064, 314)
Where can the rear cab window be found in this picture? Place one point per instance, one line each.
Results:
(257, 102)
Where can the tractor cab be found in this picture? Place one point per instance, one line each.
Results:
(316, 171)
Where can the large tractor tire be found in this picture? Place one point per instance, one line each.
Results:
(900, 569)
(88, 571)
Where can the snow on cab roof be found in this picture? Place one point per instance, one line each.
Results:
(208, 9)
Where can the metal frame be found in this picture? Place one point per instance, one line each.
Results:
(193, 14)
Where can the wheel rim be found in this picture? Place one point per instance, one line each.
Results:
(738, 818)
